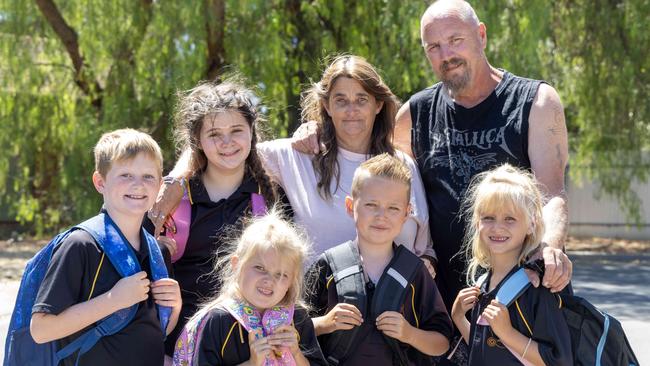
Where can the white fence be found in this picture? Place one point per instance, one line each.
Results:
(603, 218)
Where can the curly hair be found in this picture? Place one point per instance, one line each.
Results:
(209, 98)
(313, 109)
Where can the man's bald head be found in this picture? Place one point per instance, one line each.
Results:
(444, 8)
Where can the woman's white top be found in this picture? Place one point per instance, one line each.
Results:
(327, 222)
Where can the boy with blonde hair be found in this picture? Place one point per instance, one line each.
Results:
(375, 303)
(110, 265)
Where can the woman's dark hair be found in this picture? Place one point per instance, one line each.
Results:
(313, 109)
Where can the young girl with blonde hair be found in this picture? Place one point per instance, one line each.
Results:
(257, 317)
(505, 227)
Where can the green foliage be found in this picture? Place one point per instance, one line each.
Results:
(135, 55)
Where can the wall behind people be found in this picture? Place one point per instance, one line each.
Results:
(71, 70)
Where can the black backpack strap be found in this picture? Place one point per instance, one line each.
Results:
(347, 272)
(391, 291)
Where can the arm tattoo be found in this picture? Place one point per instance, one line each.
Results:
(556, 128)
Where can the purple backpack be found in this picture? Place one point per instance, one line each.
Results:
(185, 350)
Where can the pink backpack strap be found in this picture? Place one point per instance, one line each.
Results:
(181, 219)
(251, 319)
(185, 349)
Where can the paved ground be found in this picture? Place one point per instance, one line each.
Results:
(618, 284)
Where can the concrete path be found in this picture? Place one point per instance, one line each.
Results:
(617, 284)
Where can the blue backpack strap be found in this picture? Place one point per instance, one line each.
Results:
(158, 272)
(121, 255)
(514, 286)
(123, 258)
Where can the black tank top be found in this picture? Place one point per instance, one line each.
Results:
(452, 144)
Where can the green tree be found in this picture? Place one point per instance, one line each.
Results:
(73, 69)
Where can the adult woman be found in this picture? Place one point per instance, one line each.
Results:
(357, 113)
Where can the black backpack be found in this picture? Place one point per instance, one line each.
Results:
(597, 338)
(389, 295)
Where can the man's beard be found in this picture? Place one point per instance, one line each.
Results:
(455, 84)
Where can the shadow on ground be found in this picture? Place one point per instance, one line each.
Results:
(616, 284)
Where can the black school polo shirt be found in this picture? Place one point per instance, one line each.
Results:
(212, 224)
(423, 301)
(223, 342)
(68, 281)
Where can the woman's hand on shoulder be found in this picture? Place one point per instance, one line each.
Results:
(305, 139)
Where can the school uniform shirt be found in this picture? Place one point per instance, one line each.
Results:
(225, 342)
(69, 281)
(544, 323)
(212, 224)
(423, 308)
(327, 222)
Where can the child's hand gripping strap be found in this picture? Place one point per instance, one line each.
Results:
(119, 252)
(510, 290)
(274, 317)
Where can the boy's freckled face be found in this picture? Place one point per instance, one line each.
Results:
(380, 210)
(130, 186)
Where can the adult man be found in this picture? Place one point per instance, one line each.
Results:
(478, 117)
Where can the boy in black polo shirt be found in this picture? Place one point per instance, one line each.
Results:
(81, 286)
(420, 326)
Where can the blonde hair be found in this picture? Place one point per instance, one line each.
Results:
(502, 187)
(383, 166)
(313, 109)
(124, 144)
(261, 234)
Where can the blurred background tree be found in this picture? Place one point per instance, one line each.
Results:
(73, 69)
